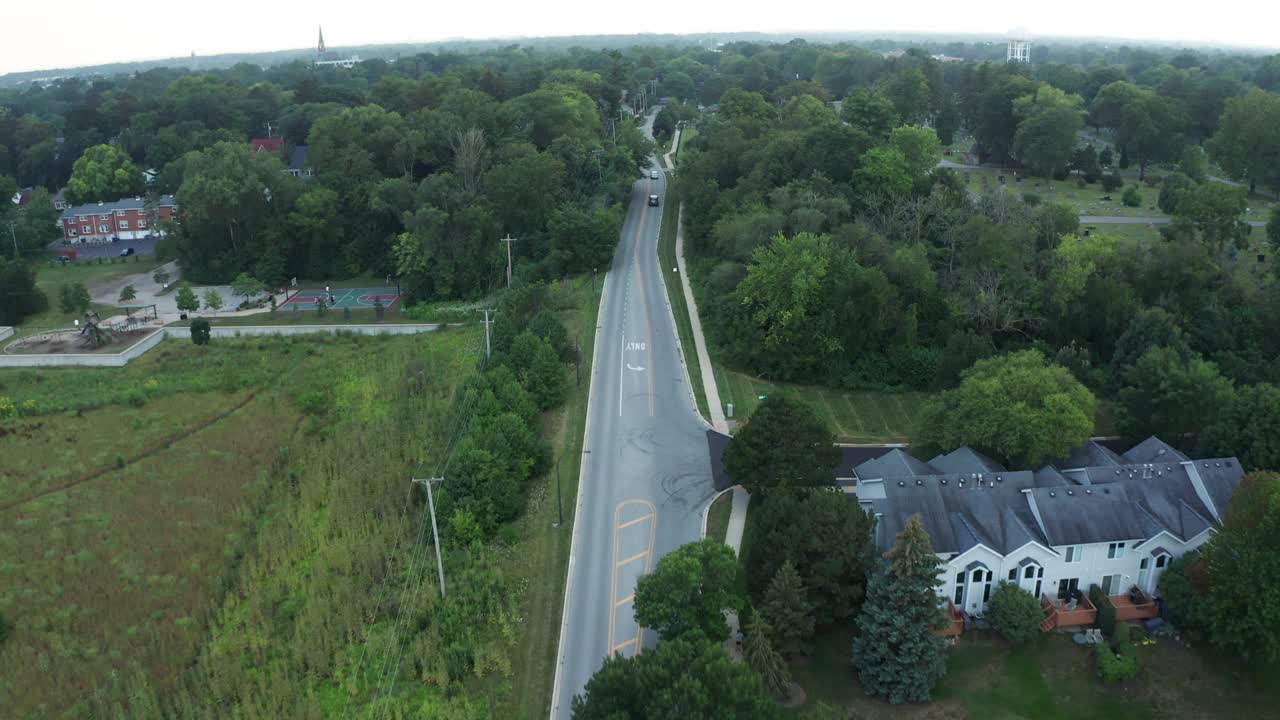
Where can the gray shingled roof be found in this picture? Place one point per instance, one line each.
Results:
(1090, 454)
(1123, 498)
(298, 158)
(124, 204)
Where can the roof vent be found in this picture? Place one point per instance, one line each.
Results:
(919, 481)
(1227, 463)
(1159, 452)
(1071, 492)
(999, 479)
(944, 481)
(1117, 471)
(1106, 490)
(1206, 464)
(901, 484)
(1052, 494)
(99, 203)
(1217, 465)
(1088, 491)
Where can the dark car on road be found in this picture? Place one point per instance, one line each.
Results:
(127, 252)
(653, 201)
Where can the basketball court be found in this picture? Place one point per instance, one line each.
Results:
(354, 298)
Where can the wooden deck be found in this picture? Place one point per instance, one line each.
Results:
(957, 622)
(1057, 615)
(1127, 609)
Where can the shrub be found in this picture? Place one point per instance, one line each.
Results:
(1106, 611)
(200, 331)
(4, 628)
(1131, 197)
(1116, 667)
(1015, 614)
(1120, 638)
(1031, 198)
(8, 410)
(1111, 182)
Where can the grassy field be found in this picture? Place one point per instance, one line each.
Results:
(539, 561)
(1051, 679)
(50, 278)
(855, 417)
(718, 516)
(675, 293)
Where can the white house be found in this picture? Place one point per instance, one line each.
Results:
(1096, 517)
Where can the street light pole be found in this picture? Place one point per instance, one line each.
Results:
(508, 240)
(435, 532)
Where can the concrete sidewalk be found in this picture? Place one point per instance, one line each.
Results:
(737, 518)
(699, 341)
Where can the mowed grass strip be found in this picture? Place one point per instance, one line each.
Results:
(675, 293)
(854, 416)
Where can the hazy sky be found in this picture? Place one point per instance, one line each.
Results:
(67, 33)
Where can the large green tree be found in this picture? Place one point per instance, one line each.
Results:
(870, 111)
(1017, 407)
(686, 594)
(1247, 144)
(759, 654)
(919, 146)
(1212, 211)
(1171, 393)
(788, 612)
(1242, 608)
(1149, 127)
(1047, 125)
(827, 539)
(680, 679)
(895, 653)
(1248, 428)
(104, 173)
(784, 444)
(1015, 613)
(19, 296)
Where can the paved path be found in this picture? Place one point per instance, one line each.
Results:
(646, 472)
(737, 518)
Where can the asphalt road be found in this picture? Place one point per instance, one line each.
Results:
(646, 476)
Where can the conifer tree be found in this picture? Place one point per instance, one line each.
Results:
(761, 656)
(787, 610)
(896, 655)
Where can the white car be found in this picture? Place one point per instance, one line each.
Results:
(653, 174)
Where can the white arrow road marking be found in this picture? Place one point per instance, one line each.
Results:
(637, 369)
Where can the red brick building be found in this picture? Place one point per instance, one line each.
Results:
(127, 219)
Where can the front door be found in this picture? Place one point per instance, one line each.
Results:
(978, 592)
(1144, 575)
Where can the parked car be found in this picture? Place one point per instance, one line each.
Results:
(126, 252)
(653, 201)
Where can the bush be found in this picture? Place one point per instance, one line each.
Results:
(1106, 611)
(1111, 182)
(1131, 197)
(1120, 638)
(1015, 614)
(1116, 667)
(8, 410)
(200, 331)
(1031, 198)
(4, 628)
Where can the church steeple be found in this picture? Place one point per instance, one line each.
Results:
(320, 47)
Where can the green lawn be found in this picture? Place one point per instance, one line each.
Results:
(1049, 680)
(675, 293)
(718, 516)
(854, 416)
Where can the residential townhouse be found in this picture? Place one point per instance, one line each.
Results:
(126, 219)
(1096, 517)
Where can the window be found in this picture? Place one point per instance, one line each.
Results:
(1162, 560)
(103, 217)
(124, 224)
(986, 588)
(959, 596)
(142, 223)
(1115, 551)
(103, 229)
(1074, 553)
(1030, 572)
(1111, 585)
(1013, 574)
(73, 232)
(87, 229)
(1068, 587)
(119, 213)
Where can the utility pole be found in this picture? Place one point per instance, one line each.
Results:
(508, 240)
(15, 240)
(488, 347)
(435, 533)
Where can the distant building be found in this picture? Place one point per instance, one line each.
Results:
(127, 219)
(946, 58)
(60, 201)
(325, 57)
(1019, 47)
(23, 196)
(893, 54)
(268, 145)
(298, 166)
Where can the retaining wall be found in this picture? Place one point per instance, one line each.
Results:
(184, 333)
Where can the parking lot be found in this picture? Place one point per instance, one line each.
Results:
(92, 252)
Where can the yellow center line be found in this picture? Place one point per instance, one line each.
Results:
(633, 558)
(624, 600)
(640, 519)
(619, 646)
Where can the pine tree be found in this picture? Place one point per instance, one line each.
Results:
(764, 659)
(896, 655)
(788, 611)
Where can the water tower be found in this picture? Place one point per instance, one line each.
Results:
(1019, 46)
